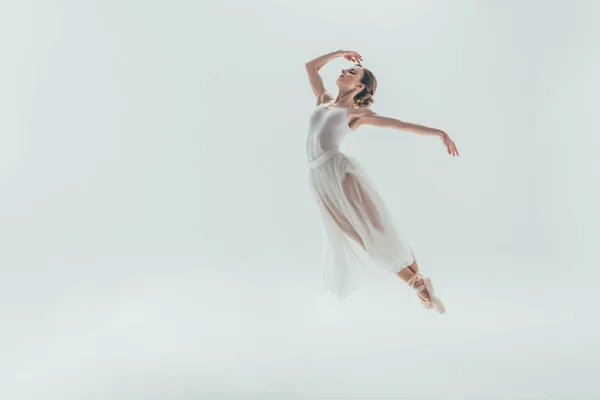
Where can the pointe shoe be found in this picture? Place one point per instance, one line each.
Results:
(435, 301)
(412, 283)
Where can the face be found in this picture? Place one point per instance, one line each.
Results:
(350, 78)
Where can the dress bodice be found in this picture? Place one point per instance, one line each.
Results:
(327, 128)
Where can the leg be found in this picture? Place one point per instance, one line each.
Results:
(357, 194)
(344, 224)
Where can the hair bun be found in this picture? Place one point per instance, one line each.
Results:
(367, 100)
(365, 97)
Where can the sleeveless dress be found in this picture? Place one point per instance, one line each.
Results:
(344, 193)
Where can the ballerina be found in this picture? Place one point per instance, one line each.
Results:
(348, 199)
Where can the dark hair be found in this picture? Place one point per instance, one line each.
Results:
(365, 97)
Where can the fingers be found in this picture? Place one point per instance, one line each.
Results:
(357, 57)
(450, 146)
(455, 149)
(452, 150)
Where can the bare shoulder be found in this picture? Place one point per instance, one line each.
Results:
(357, 116)
(324, 98)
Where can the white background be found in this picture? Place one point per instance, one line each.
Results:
(158, 238)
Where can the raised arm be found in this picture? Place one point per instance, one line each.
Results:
(316, 82)
(372, 118)
(313, 67)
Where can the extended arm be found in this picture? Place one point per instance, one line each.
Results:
(371, 118)
(387, 122)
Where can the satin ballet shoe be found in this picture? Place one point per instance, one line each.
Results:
(434, 301)
(412, 283)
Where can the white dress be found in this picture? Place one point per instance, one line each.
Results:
(354, 202)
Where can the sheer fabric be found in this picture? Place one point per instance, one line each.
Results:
(359, 233)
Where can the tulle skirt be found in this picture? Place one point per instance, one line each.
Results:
(360, 237)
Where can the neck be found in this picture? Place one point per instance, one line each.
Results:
(345, 99)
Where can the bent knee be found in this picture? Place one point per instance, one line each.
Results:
(350, 177)
(351, 181)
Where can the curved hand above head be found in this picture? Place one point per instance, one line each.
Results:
(351, 56)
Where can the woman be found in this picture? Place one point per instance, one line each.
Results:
(348, 199)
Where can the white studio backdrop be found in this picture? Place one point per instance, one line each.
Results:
(158, 235)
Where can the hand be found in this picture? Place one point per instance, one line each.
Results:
(351, 56)
(450, 145)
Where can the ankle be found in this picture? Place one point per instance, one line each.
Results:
(415, 280)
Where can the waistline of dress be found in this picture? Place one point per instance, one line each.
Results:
(324, 157)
